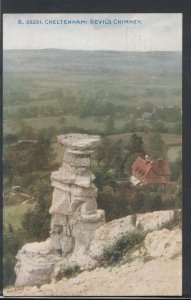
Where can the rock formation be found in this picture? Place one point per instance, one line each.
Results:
(74, 215)
(74, 208)
(112, 231)
(79, 236)
(154, 268)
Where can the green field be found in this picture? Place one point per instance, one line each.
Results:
(88, 123)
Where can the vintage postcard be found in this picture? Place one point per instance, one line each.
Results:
(92, 151)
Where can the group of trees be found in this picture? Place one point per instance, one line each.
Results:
(24, 157)
(162, 119)
(113, 169)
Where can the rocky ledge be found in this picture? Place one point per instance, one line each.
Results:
(155, 269)
(40, 265)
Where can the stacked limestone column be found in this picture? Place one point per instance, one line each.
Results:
(74, 216)
(74, 208)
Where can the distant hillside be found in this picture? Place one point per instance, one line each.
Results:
(117, 76)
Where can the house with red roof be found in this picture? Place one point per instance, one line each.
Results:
(146, 171)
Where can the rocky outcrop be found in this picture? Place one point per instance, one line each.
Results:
(110, 232)
(78, 233)
(154, 270)
(162, 243)
(74, 216)
(154, 220)
(35, 264)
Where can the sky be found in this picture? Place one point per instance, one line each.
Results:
(116, 32)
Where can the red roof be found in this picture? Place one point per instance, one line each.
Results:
(159, 169)
(141, 167)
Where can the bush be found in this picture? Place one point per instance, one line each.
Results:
(115, 253)
(68, 272)
(36, 222)
(71, 271)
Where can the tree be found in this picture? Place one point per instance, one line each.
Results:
(102, 150)
(136, 145)
(107, 201)
(29, 156)
(157, 146)
(36, 222)
(117, 157)
(113, 156)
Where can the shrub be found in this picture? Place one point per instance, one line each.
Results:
(72, 271)
(114, 254)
